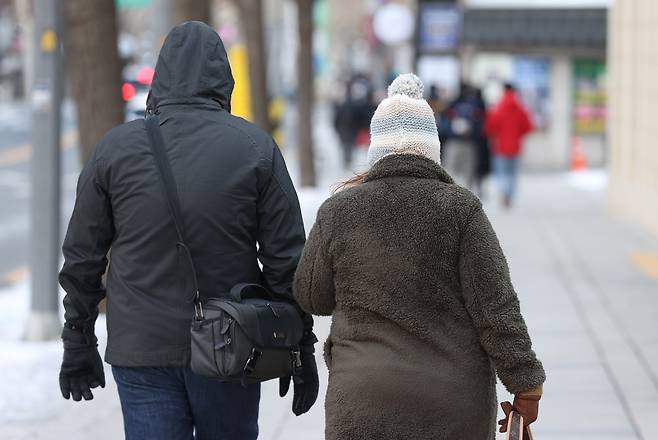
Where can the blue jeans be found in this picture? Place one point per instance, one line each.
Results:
(506, 170)
(176, 404)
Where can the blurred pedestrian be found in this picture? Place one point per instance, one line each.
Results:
(352, 116)
(435, 101)
(463, 119)
(424, 312)
(364, 107)
(482, 151)
(507, 124)
(235, 193)
(345, 126)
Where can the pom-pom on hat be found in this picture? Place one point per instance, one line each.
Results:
(404, 123)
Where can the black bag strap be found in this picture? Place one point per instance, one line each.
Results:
(171, 194)
(240, 292)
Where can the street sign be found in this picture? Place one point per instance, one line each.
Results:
(439, 29)
(393, 24)
(48, 41)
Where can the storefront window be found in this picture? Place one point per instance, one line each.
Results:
(531, 76)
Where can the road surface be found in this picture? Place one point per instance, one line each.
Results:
(15, 186)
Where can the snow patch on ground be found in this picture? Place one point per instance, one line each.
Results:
(310, 200)
(589, 180)
(28, 370)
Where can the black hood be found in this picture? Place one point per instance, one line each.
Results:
(192, 64)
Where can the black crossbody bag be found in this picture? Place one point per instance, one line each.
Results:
(247, 336)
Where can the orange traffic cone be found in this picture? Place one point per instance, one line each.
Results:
(578, 158)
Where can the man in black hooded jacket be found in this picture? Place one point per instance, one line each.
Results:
(239, 207)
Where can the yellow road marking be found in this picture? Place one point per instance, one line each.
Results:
(15, 276)
(23, 153)
(647, 262)
(16, 155)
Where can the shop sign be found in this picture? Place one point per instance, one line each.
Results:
(439, 28)
(589, 97)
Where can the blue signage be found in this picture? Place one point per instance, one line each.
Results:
(439, 28)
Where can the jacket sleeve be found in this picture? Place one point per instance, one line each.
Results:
(314, 282)
(280, 232)
(494, 306)
(88, 239)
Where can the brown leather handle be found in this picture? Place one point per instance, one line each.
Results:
(515, 428)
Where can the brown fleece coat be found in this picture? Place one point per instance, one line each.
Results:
(424, 312)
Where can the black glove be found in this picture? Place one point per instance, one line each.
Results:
(305, 378)
(82, 366)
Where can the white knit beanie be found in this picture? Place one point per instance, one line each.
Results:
(404, 123)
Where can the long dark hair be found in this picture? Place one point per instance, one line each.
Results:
(353, 181)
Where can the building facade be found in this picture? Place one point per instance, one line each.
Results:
(554, 52)
(633, 94)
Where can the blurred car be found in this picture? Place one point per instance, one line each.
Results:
(135, 88)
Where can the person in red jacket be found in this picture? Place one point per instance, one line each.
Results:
(506, 125)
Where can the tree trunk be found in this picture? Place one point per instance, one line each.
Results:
(188, 10)
(305, 92)
(251, 12)
(94, 68)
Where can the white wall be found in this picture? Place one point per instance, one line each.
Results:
(633, 61)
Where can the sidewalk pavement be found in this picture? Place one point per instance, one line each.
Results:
(585, 282)
(590, 297)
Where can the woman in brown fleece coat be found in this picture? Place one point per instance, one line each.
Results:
(424, 312)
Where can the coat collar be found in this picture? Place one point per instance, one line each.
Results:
(408, 165)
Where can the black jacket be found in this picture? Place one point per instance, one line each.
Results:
(239, 208)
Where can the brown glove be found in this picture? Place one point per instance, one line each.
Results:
(525, 403)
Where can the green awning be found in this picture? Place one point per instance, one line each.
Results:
(132, 3)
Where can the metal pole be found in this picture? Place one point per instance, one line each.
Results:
(46, 97)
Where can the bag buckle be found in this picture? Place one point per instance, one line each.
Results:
(250, 365)
(296, 359)
(198, 311)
